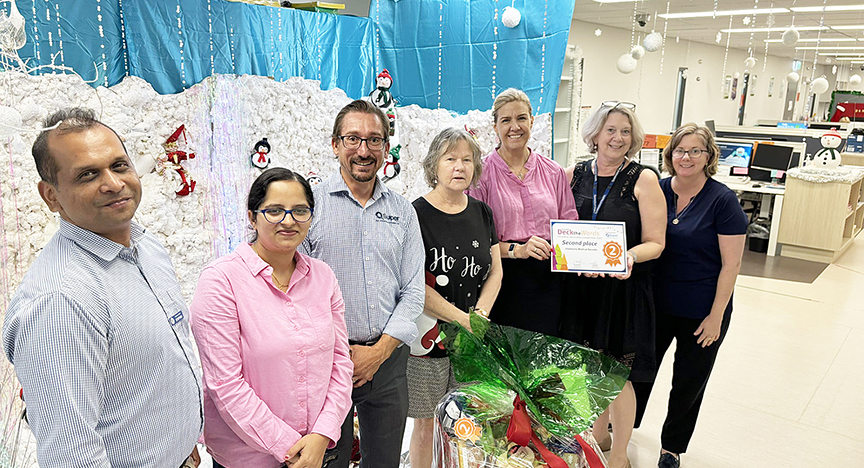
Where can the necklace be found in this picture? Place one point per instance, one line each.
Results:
(278, 283)
(520, 173)
(677, 216)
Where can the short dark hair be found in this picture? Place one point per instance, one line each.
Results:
(75, 119)
(364, 107)
(258, 191)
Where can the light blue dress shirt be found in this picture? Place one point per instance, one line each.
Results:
(377, 255)
(99, 337)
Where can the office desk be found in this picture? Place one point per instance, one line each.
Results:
(765, 207)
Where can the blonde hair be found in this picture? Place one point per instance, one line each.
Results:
(707, 137)
(594, 125)
(506, 97)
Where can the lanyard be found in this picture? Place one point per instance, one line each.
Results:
(596, 206)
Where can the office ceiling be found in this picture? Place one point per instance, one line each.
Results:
(840, 30)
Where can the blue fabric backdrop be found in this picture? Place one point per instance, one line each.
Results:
(143, 38)
(246, 39)
(409, 46)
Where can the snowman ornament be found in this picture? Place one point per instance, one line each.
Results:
(383, 98)
(829, 156)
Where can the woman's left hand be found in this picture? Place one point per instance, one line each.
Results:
(624, 276)
(308, 452)
(709, 330)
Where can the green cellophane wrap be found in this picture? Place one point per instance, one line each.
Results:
(565, 386)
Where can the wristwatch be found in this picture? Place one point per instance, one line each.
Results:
(511, 252)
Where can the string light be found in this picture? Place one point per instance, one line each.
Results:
(665, 28)
(102, 45)
(180, 39)
(123, 38)
(59, 33)
(36, 51)
(377, 35)
(495, 50)
(281, 59)
(726, 55)
(440, 47)
(210, 32)
(543, 51)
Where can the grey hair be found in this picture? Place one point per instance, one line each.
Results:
(594, 125)
(442, 144)
(506, 97)
(62, 122)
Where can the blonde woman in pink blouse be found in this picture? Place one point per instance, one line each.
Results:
(525, 190)
(269, 326)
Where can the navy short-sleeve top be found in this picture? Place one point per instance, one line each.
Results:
(689, 268)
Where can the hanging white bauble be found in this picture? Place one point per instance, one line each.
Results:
(819, 85)
(653, 42)
(791, 36)
(12, 34)
(10, 121)
(855, 79)
(511, 17)
(792, 77)
(736, 75)
(626, 64)
(637, 52)
(749, 62)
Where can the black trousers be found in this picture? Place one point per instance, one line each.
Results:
(690, 373)
(382, 409)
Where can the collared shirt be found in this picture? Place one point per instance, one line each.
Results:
(377, 255)
(276, 365)
(99, 337)
(523, 208)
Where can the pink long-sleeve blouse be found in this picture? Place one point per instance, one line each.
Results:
(523, 208)
(276, 365)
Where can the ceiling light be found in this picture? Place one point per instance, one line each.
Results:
(849, 58)
(711, 14)
(755, 30)
(839, 39)
(614, 1)
(819, 9)
(830, 48)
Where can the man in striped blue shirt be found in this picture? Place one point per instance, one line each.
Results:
(98, 331)
(371, 239)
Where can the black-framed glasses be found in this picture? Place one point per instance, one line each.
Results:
(614, 104)
(353, 142)
(277, 215)
(694, 153)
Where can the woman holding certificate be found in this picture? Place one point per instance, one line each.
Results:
(615, 314)
(525, 190)
(694, 279)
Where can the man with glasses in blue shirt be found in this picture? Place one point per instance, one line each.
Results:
(370, 237)
(98, 331)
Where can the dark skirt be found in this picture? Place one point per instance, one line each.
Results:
(614, 317)
(530, 296)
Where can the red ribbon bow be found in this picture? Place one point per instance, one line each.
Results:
(520, 433)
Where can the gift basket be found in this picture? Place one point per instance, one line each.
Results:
(531, 400)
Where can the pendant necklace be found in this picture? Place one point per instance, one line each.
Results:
(681, 213)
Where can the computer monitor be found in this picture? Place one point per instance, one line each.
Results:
(735, 154)
(770, 162)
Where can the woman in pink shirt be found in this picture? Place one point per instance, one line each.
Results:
(525, 190)
(270, 328)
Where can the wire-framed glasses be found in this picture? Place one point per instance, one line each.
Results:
(353, 142)
(694, 153)
(300, 214)
(614, 104)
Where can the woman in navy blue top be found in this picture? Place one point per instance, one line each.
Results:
(693, 280)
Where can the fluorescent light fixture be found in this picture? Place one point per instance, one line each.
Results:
(839, 54)
(839, 39)
(847, 28)
(615, 1)
(711, 14)
(830, 48)
(819, 9)
(848, 58)
(755, 30)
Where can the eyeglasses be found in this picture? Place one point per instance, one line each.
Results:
(277, 215)
(614, 104)
(353, 142)
(694, 153)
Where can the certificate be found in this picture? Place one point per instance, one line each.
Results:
(589, 246)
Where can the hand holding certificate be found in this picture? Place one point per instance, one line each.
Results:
(592, 247)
